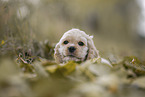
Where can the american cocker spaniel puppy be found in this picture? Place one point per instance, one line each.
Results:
(75, 45)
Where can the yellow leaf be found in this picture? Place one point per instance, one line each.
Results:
(68, 67)
(96, 60)
(51, 68)
(2, 42)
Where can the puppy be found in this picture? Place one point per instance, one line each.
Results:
(75, 45)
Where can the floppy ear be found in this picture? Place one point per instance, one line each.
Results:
(92, 52)
(57, 54)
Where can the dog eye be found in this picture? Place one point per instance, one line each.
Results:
(65, 42)
(81, 43)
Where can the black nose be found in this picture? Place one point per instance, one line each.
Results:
(71, 49)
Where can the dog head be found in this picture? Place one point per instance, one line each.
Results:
(75, 45)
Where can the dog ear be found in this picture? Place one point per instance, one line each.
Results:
(92, 51)
(57, 54)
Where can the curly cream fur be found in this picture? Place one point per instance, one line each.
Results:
(82, 53)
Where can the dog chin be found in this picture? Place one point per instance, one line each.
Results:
(69, 58)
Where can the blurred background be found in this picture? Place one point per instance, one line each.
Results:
(29, 30)
(117, 25)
